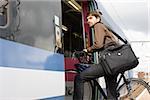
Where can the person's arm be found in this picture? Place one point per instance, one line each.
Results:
(99, 37)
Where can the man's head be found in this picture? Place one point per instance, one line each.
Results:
(93, 17)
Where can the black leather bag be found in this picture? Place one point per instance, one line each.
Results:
(117, 59)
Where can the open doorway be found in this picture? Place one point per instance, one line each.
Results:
(72, 29)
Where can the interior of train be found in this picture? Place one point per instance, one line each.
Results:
(72, 29)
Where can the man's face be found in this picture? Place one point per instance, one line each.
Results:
(91, 20)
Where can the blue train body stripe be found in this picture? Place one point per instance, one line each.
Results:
(13, 54)
(55, 98)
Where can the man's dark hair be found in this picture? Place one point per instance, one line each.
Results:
(95, 13)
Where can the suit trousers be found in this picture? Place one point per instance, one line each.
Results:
(92, 72)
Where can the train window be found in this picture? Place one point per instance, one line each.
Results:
(3, 13)
(31, 23)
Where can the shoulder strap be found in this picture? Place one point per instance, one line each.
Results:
(119, 37)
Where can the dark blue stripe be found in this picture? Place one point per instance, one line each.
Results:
(13, 54)
(54, 98)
